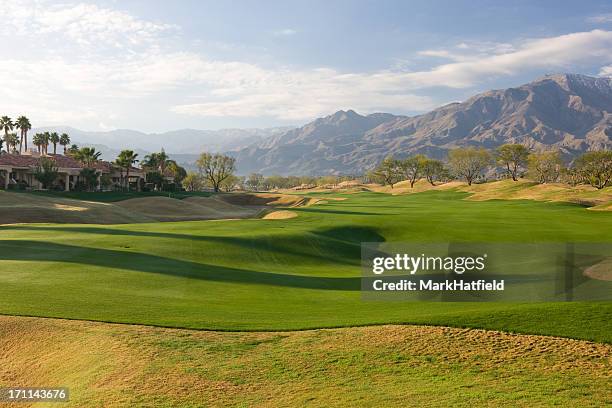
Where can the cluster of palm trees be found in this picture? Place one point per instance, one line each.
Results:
(7, 125)
(41, 140)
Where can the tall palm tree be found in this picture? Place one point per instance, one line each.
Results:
(7, 125)
(54, 139)
(125, 160)
(46, 140)
(39, 141)
(24, 125)
(64, 140)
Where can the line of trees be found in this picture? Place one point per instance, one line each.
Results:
(471, 163)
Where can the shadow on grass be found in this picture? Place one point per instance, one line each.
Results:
(335, 245)
(22, 250)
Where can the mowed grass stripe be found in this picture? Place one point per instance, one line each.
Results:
(287, 274)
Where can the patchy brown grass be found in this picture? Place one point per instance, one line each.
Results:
(119, 365)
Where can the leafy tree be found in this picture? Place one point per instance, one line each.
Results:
(24, 125)
(46, 172)
(54, 139)
(125, 160)
(216, 168)
(193, 182)
(595, 168)
(64, 141)
(229, 183)
(255, 180)
(155, 178)
(178, 172)
(434, 170)
(469, 162)
(412, 168)
(387, 172)
(545, 167)
(512, 157)
(89, 178)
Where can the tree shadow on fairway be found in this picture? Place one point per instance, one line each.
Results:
(338, 245)
(23, 250)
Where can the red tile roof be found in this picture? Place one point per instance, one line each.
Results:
(64, 162)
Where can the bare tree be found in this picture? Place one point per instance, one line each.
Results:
(216, 168)
(469, 163)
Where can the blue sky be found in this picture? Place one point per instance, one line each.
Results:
(159, 65)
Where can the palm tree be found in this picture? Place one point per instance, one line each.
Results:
(39, 141)
(24, 125)
(7, 125)
(54, 139)
(87, 155)
(125, 160)
(64, 140)
(46, 140)
(12, 141)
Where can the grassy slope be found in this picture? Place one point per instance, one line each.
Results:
(283, 274)
(111, 365)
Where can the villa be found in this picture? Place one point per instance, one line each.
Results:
(18, 169)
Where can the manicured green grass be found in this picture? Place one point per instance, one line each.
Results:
(112, 196)
(284, 274)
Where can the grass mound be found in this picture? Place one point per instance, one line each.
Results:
(170, 368)
(195, 208)
(267, 199)
(32, 208)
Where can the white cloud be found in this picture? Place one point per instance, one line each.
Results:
(81, 23)
(59, 86)
(606, 71)
(285, 32)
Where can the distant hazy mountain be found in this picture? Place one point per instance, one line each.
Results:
(184, 141)
(569, 112)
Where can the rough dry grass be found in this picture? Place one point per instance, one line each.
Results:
(119, 365)
(511, 190)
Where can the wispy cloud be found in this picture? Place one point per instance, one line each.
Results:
(285, 32)
(58, 86)
(601, 18)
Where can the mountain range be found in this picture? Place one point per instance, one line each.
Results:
(569, 112)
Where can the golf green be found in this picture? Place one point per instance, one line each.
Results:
(286, 274)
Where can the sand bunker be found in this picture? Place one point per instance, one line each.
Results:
(280, 215)
(600, 271)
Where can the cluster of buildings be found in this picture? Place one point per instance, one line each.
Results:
(17, 171)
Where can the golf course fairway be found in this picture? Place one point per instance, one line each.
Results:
(284, 274)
